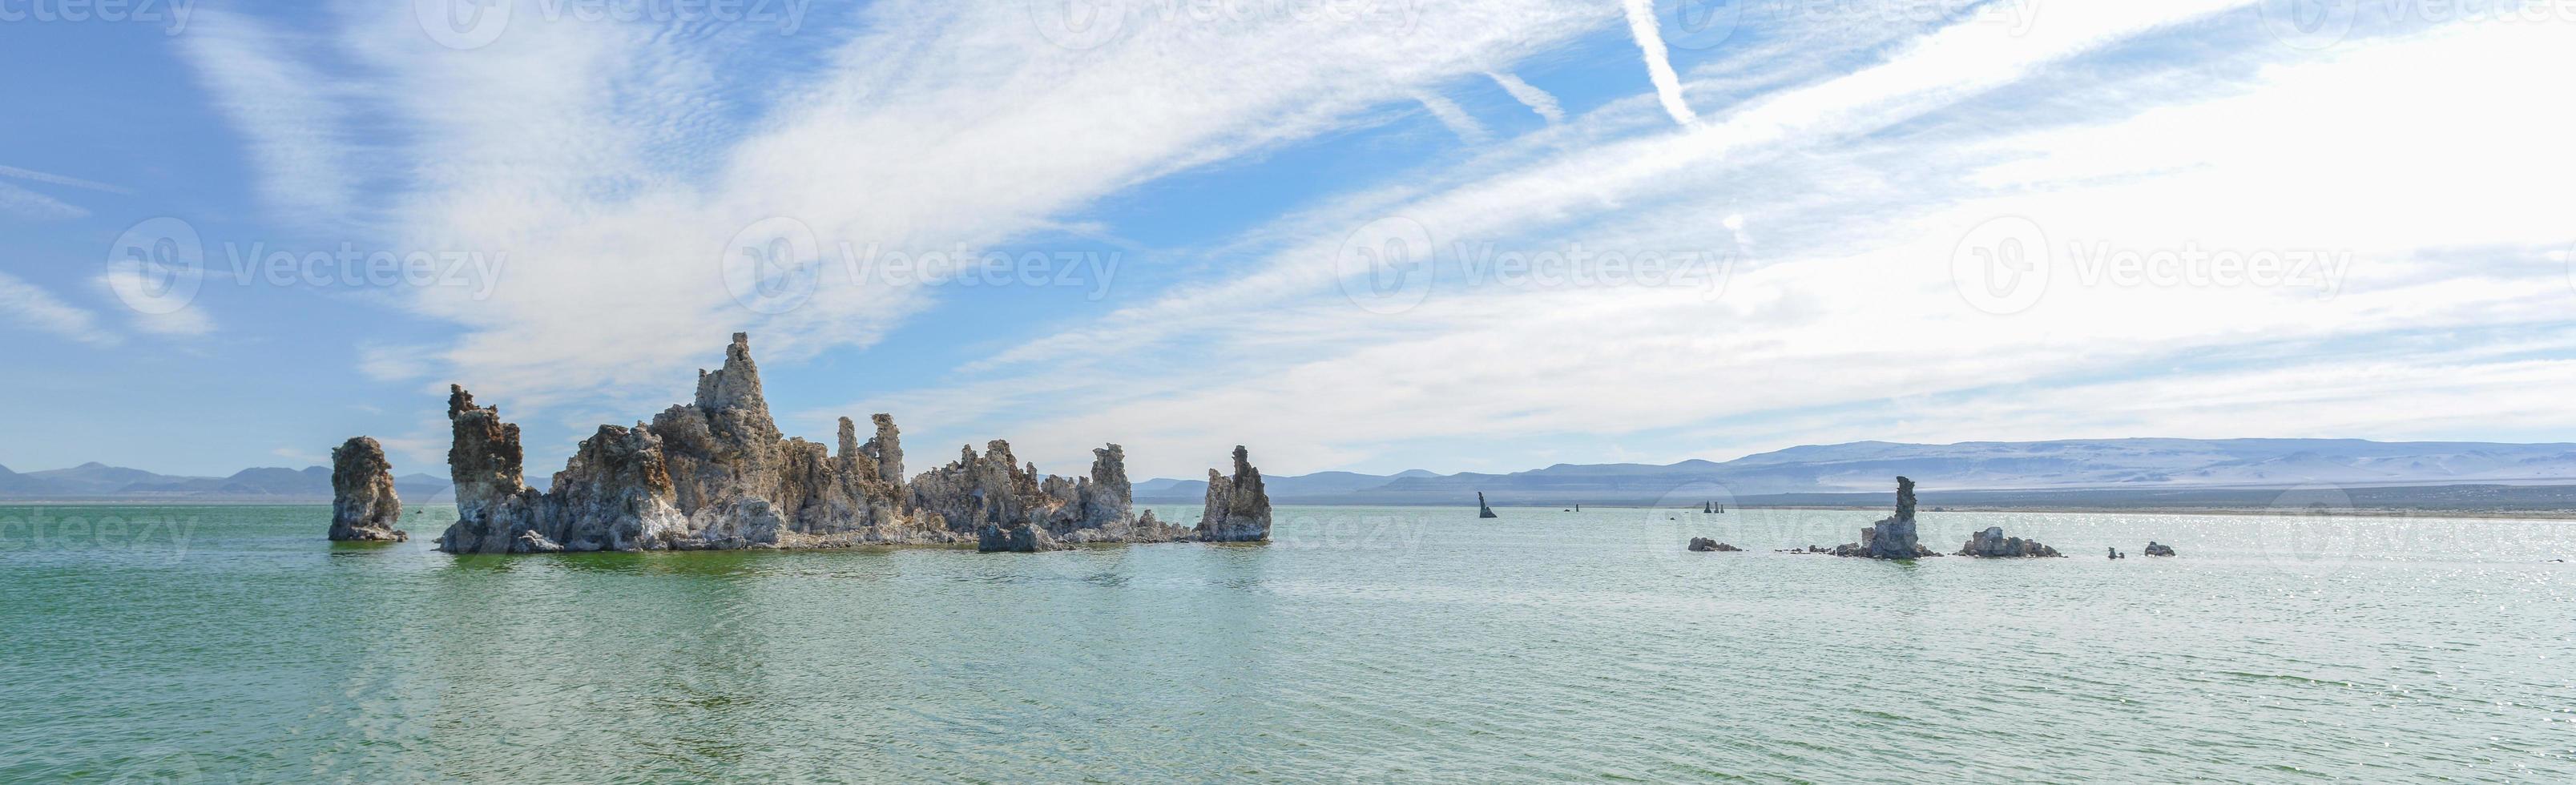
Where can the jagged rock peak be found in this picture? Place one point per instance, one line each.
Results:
(458, 400)
(1904, 498)
(1482, 510)
(1238, 509)
(736, 385)
(886, 448)
(363, 505)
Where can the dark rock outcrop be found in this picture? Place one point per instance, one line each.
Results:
(1992, 544)
(364, 507)
(2158, 549)
(716, 473)
(1238, 510)
(1892, 537)
(1482, 510)
(1706, 545)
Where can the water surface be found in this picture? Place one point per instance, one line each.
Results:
(232, 643)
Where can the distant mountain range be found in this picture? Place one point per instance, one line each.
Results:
(98, 481)
(1798, 475)
(1869, 467)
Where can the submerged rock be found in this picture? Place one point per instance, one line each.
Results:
(1237, 510)
(715, 473)
(1483, 511)
(1706, 545)
(363, 505)
(2158, 549)
(1892, 537)
(1992, 544)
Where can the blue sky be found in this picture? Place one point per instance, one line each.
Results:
(1367, 235)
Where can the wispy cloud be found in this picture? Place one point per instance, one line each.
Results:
(32, 206)
(1536, 99)
(56, 179)
(33, 307)
(295, 121)
(1450, 115)
(615, 162)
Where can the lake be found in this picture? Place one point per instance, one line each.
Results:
(233, 643)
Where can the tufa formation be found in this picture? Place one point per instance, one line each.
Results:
(363, 505)
(1992, 544)
(1891, 537)
(1237, 509)
(716, 473)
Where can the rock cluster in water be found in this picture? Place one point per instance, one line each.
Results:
(1892, 537)
(1238, 510)
(1482, 510)
(1992, 544)
(2158, 549)
(363, 505)
(717, 474)
(1706, 545)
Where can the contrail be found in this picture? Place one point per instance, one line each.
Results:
(1659, 63)
(1536, 99)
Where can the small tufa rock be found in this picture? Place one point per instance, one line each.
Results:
(1992, 544)
(1237, 510)
(363, 505)
(2159, 549)
(1706, 545)
(1482, 510)
(1891, 537)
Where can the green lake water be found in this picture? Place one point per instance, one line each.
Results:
(234, 644)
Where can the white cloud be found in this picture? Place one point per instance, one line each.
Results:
(32, 306)
(1850, 324)
(32, 206)
(1530, 96)
(613, 163)
(295, 120)
(1456, 119)
(160, 301)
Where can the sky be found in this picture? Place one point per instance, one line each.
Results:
(1366, 235)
